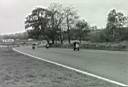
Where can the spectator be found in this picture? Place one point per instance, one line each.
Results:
(47, 45)
(33, 46)
(76, 46)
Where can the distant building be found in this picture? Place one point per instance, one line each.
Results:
(8, 40)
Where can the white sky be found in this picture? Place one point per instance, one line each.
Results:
(13, 12)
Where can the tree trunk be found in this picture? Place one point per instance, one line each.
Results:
(53, 41)
(69, 38)
(47, 41)
(61, 36)
(61, 39)
(68, 31)
(80, 39)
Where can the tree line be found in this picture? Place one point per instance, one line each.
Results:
(59, 23)
(55, 23)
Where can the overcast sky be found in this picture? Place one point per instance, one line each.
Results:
(13, 12)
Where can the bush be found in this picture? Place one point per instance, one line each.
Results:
(98, 46)
(104, 46)
(62, 45)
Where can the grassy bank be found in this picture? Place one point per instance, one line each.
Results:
(116, 46)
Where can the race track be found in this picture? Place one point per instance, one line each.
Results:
(109, 64)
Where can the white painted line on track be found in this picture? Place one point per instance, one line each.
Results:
(74, 69)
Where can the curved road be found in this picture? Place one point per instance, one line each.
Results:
(109, 64)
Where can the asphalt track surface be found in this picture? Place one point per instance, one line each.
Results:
(108, 64)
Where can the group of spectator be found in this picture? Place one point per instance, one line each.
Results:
(76, 46)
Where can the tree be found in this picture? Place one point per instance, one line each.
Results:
(111, 23)
(38, 22)
(115, 21)
(82, 29)
(56, 20)
(70, 17)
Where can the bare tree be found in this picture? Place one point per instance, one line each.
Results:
(57, 20)
(82, 29)
(70, 17)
